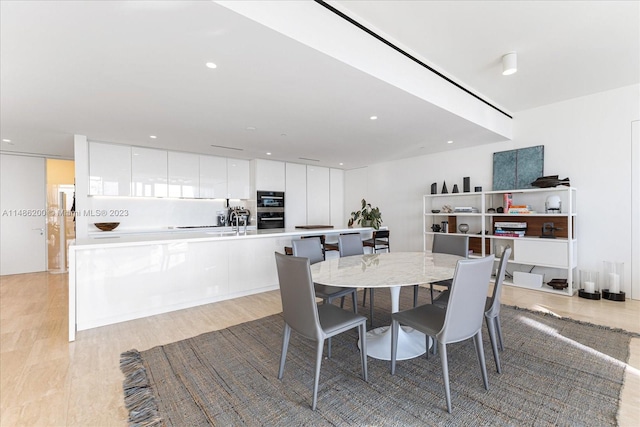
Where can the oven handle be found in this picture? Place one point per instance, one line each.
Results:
(272, 219)
(272, 197)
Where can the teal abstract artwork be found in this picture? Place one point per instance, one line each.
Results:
(516, 169)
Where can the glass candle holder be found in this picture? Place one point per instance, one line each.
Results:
(613, 273)
(589, 281)
(613, 280)
(589, 285)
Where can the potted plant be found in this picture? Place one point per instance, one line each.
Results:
(367, 216)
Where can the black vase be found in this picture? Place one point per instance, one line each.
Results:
(444, 188)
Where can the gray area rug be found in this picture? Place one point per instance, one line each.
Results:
(555, 372)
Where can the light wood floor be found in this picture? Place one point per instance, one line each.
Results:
(47, 381)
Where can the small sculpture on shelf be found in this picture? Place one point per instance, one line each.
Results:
(455, 188)
(447, 209)
(463, 228)
(444, 188)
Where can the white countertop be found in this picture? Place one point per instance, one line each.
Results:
(145, 237)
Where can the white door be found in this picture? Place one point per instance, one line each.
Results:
(23, 215)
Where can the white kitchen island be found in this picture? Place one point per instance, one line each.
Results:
(123, 276)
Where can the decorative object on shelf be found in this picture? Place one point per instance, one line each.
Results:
(455, 188)
(515, 169)
(434, 188)
(367, 216)
(553, 204)
(444, 188)
(477, 189)
(435, 228)
(612, 281)
(445, 226)
(463, 228)
(466, 184)
(491, 210)
(589, 285)
(500, 209)
(548, 231)
(558, 283)
(550, 181)
(106, 226)
(435, 210)
(447, 209)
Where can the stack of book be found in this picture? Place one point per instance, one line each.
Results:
(509, 229)
(520, 209)
(463, 209)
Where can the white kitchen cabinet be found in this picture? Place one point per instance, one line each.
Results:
(336, 191)
(238, 179)
(318, 196)
(268, 175)
(109, 169)
(149, 172)
(295, 193)
(184, 175)
(213, 177)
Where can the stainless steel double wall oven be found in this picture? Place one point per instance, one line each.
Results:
(270, 209)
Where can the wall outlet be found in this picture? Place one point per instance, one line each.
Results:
(529, 280)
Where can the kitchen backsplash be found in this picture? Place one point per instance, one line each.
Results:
(136, 213)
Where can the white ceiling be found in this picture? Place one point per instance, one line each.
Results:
(122, 71)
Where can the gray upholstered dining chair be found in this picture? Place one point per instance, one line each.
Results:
(491, 308)
(444, 243)
(351, 244)
(312, 321)
(461, 320)
(311, 247)
(378, 241)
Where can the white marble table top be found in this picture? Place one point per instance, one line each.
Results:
(383, 270)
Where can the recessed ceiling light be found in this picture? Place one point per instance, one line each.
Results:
(6, 140)
(251, 128)
(211, 65)
(268, 154)
(373, 117)
(449, 142)
(341, 164)
(152, 136)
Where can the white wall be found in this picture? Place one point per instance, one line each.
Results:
(587, 139)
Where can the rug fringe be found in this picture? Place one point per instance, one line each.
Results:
(138, 396)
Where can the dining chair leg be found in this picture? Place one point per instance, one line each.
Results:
(491, 327)
(431, 290)
(354, 300)
(415, 295)
(319, 348)
(499, 331)
(286, 333)
(427, 339)
(395, 326)
(362, 333)
(371, 306)
(477, 339)
(445, 373)
(364, 297)
(342, 302)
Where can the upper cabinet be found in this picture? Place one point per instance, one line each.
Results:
(295, 208)
(318, 196)
(336, 190)
(149, 172)
(184, 176)
(268, 175)
(109, 169)
(213, 177)
(238, 179)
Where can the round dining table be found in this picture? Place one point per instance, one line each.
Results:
(390, 270)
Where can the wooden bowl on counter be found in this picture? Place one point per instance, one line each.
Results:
(106, 226)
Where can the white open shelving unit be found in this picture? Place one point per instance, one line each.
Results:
(553, 258)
